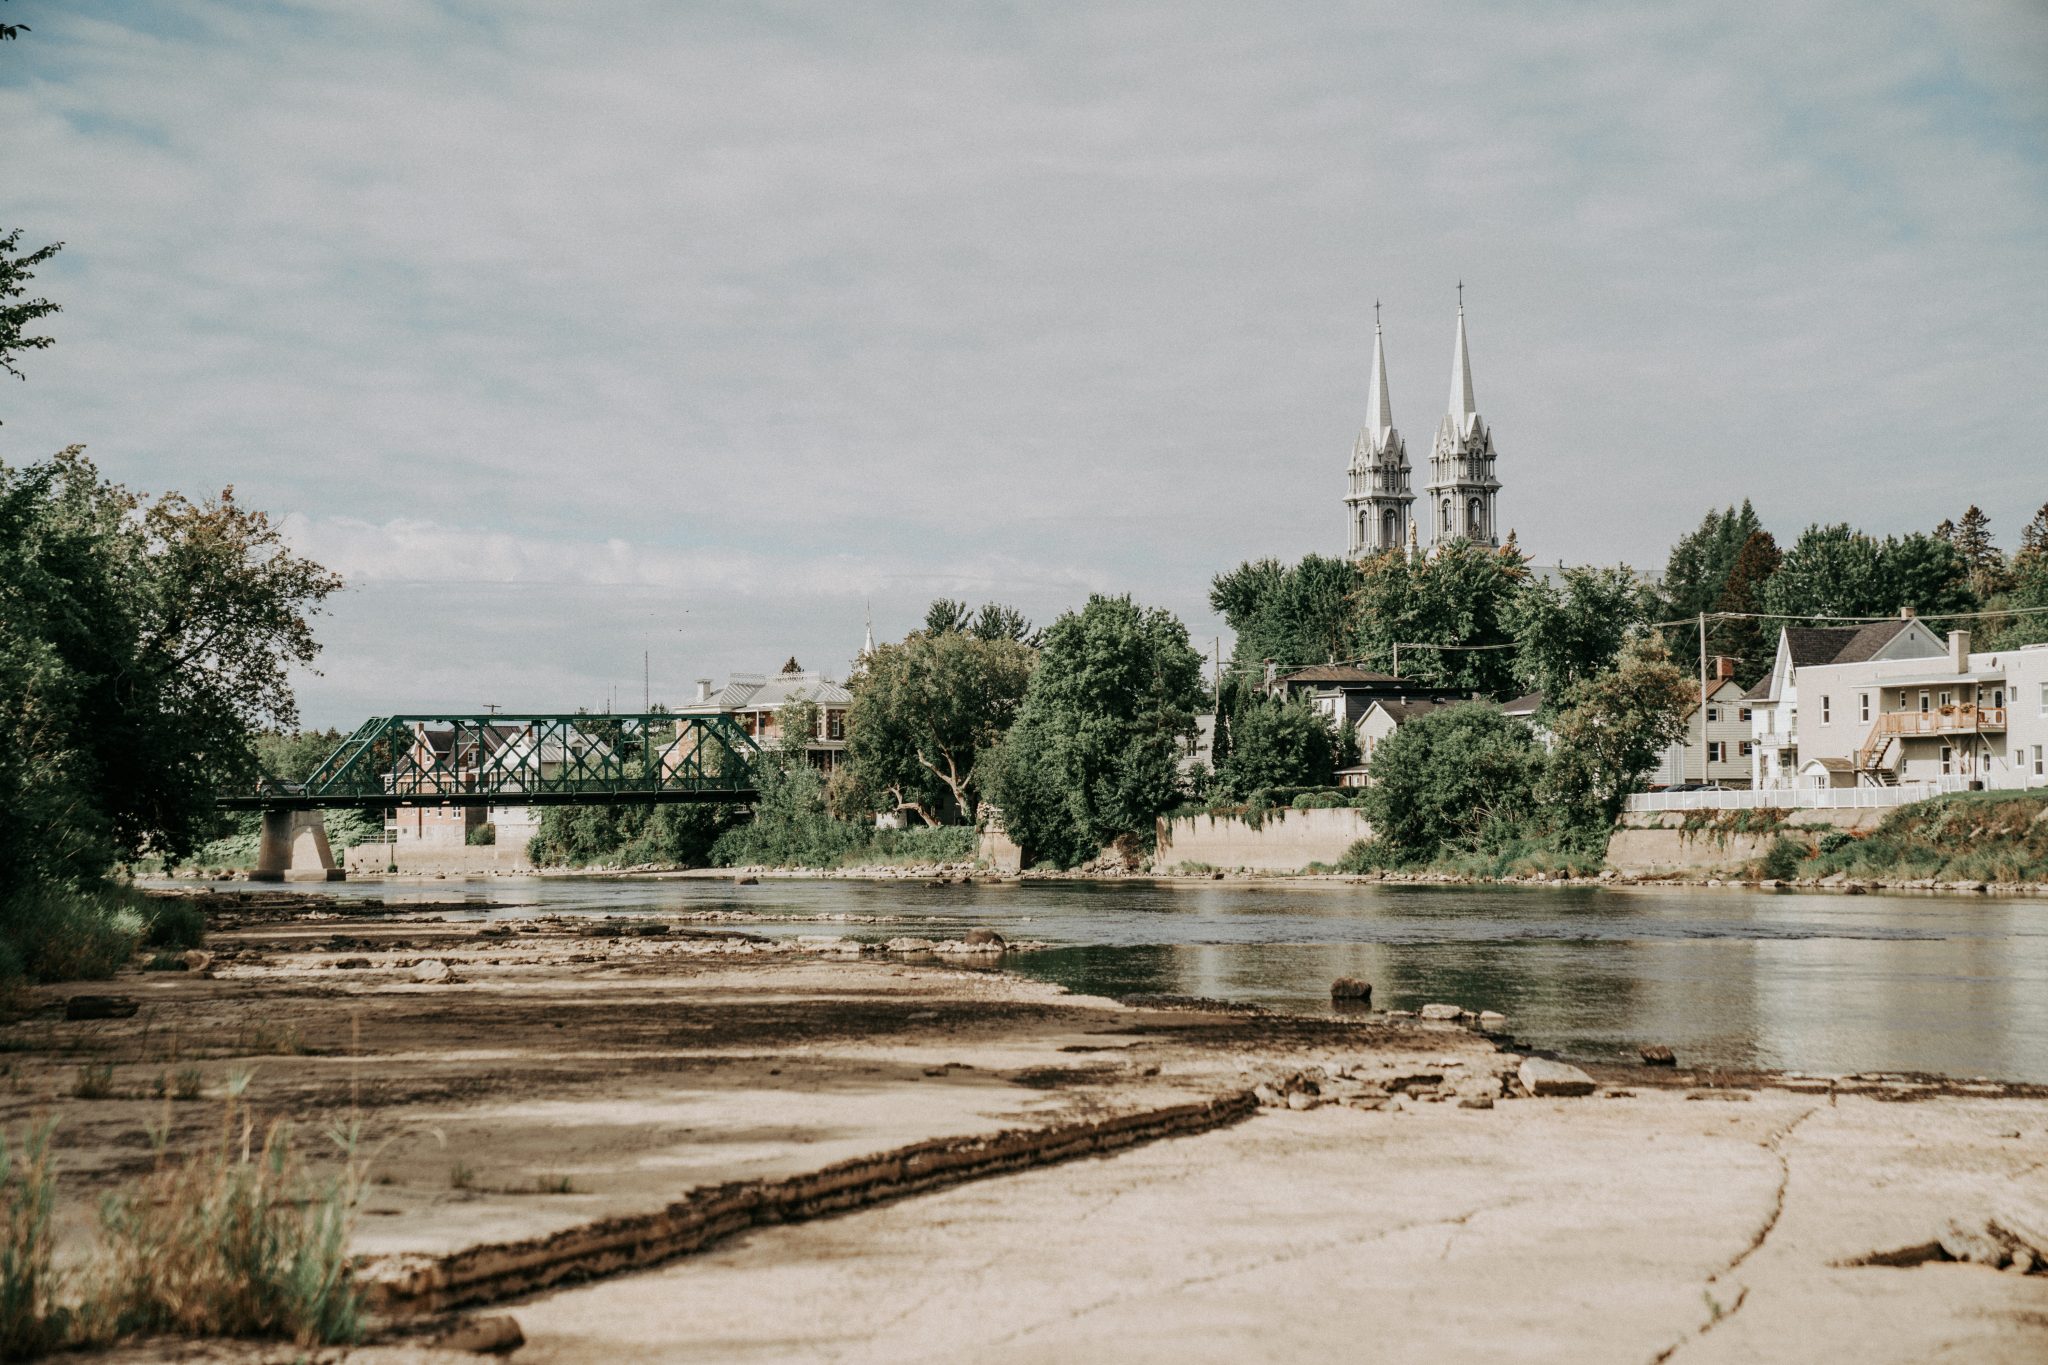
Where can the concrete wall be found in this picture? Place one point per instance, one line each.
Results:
(1657, 841)
(1284, 841)
(370, 860)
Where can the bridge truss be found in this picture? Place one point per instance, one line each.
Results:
(524, 760)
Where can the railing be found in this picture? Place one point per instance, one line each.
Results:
(1798, 798)
(1966, 719)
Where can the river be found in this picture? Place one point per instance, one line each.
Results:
(1822, 983)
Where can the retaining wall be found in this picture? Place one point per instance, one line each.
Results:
(1284, 840)
(1657, 841)
(453, 860)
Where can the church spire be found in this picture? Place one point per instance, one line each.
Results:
(1379, 412)
(1462, 407)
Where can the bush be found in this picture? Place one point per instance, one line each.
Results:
(1783, 859)
(66, 933)
(482, 836)
(31, 1320)
(173, 924)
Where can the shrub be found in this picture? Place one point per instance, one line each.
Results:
(173, 924)
(65, 933)
(1781, 862)
(31, 1319)
(1835, 840)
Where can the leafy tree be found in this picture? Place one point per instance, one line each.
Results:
(994, 621)
(1565, 633)
(1697, 573)
(17, 313)
(1927, 574)
(926, 712)
(283, 756)
(1609, 732)
(1293, 616)
(1829, 571)
(1095, 751)
(1459, 777)
(1752, 643)
(1461, 595)
(1277, 743)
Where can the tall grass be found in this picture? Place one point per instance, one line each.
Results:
(32, 1321)
(58, 932)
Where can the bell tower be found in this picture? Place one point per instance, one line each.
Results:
(1380, 502)
(1462, 488)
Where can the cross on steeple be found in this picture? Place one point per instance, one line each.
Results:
(1461, 296)
(1375, 315)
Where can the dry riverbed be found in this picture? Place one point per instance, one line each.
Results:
(631, 1141)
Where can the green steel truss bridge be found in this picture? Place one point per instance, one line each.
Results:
(526, 760)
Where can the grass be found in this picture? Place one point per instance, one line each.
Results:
(94, 1081)
(553, 1184)
(1967, 836)
(1516, 857)
(32, 1321)
(55, 932)
(462, 1176)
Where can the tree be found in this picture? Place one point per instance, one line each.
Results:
(1829, 571)
(17, 317)
(994, 621)
(1096, 748)
(1751, 642)
(792, 825)
(1609, 731)
(1568, 632)
(1697, 572)
(1291, 615)
(1277, 743)
(1459, 596)
(1927, 574)
(1972, 539)
(926, 713)
(2034, 537)
(1459, 777)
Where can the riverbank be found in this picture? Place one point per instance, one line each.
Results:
(556, 1098)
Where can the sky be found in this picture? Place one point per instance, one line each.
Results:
(588, 339)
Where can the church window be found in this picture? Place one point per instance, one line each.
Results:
(1447, 518)
(1390, 535)
(1361, 528)
(1474, 519)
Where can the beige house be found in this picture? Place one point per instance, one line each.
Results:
(1716, 748)
(757, 701)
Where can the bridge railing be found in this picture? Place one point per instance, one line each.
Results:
(502, 759)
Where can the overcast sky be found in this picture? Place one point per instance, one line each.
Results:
(573, 331)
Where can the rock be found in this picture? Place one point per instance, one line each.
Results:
(432, 971)
(496, 1335)
(1448, 1013)
(982, 938)
(1656, 1054)
(100, 1007)
(1268, 1096)
(1975, 1243)
(1301, 1099)
(910, 945)
(196, 960)
(650, 930)
(1476, 1102)
(1351, 990)
(746, 881)
(1543, 1078)
(1492, 1021)
(350, 964)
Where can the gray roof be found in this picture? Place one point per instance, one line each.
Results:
(1841, 644)
(1409, 710)
(756, 692)
(1527, 705)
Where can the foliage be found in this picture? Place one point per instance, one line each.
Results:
(18, 313)
(147, 642)
(32, 1319)
(1971, 537)
(1752, 643)
(1564, 634)
(1293, 616)
(1276, 743)
(291, 756)
(1460, 777)
(994, 621)
(1609, 731)
(680, 835)
(1095, 750)
(1782, 859)
(1697, 573)
(1836, 571)
(1460, 595)
(927, 712)
(64, 931)
(1965, 836)
(482, 836)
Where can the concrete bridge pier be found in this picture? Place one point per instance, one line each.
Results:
(279, 842)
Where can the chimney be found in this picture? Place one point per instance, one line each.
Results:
(1724, 668)
(703, 689)
(1905, 613)
(1959, 650)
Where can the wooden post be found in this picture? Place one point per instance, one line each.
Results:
(1704, 767)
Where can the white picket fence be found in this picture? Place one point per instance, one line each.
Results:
(1798, 798)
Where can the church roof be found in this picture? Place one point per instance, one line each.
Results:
(1462, 406)
(1379, 409)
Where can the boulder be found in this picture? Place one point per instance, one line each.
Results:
(432, 971)
(1443, 1013)
(100, 1007)
(1301, 1099)
(496, 1335)
(982, 938)
(1476, 1102)
(1656, 1054)
(910, 945)
(1351, 990)
(1543, 1078)
(1492, 1021)
(196, 959)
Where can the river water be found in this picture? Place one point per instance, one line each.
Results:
(1809, 982)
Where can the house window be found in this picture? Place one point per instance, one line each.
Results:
(835, 725)
(1825, 705)
(1745, 748)
(1714, 714)
(1948, 759)
(1745, 713)
(1946, 700)
(2039, 770)
(1998, 698)
(2044, 699)
(1923, 703)
(1713, 751)
(1864, 698)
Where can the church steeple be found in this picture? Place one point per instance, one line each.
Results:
(1379, 501)
(1462, 486)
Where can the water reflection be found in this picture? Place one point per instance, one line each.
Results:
(1807, 982)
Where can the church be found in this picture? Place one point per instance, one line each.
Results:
(1460, 499)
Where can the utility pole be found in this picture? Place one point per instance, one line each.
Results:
(646, 685)
(1704, 768)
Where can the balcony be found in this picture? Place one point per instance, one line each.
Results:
(1964, 719)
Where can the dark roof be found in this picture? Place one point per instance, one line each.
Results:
(1408, 710)
(1762, 690)
(1870, 639)
(1841, 644)
(1525, 705)
(1338, 673)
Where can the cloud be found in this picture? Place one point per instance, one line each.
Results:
(762, 303)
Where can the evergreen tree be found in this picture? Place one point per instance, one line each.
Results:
(1752, 643)
(2034, 537)
(1972, 539)
(1697, 573)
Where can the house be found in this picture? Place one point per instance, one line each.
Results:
(1382, 717)
(757, 701)
(1343, 692)
(1775, 702)
(1717, 747)
(1954, 718)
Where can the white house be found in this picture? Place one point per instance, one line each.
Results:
(1777, 713)
(1716, 746)
(1975, 717)
(757, 702)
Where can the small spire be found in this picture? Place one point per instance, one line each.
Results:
(868, 645)
(1462, 406)
(1379, 412)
